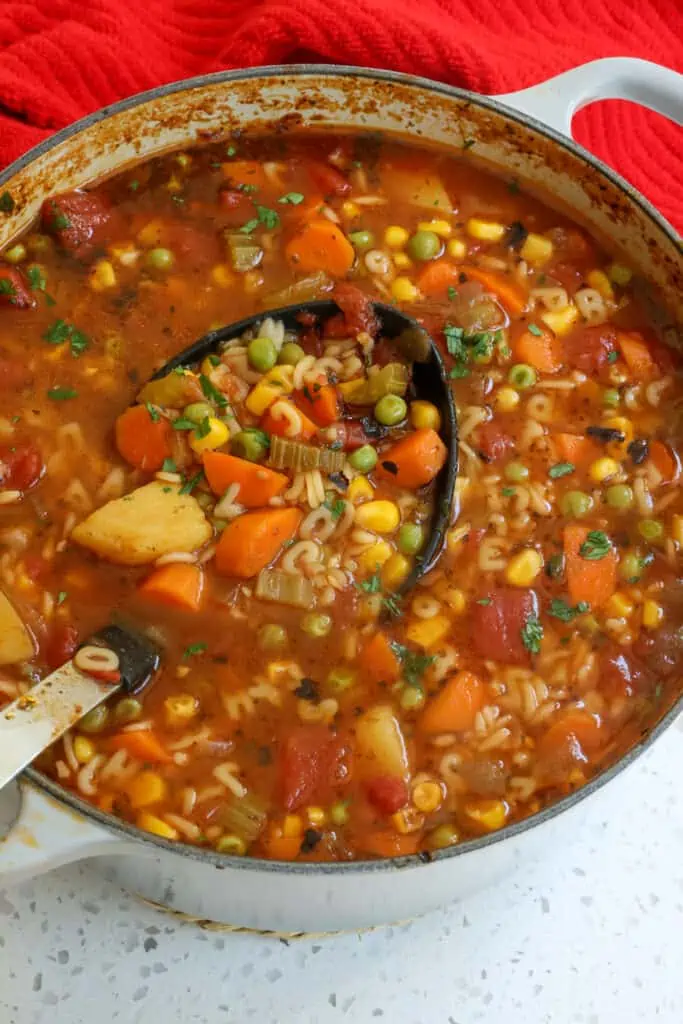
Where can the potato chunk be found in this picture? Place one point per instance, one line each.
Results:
(15, 640)
(143, 525)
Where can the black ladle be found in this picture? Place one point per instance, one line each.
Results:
(429, 380)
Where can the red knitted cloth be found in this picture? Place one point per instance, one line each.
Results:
(60, 59)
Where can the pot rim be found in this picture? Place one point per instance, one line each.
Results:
(223, 861)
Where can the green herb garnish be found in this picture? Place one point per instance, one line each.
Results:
(559, 609)
(532, 634)
(58, 394)
(153, 413)
(211, 392)
(292, 198)
(193, 649)
(561, 469)
(190, 484)
(597, 545)
(168, 465)
(414, 665)
(535, 330)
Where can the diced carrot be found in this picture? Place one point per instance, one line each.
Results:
(143, 441)
(320, 402)
(142, 744)
(542, 350)
(378, 661)
(390, 844)
(258, 484)
(179, 585)
(253, 540)
(666, 461)
(576, 448)
(576, 725)
(637, 356)
(281, 426)
(453, 708)
(414, 460)
(321, 245)
(590, 580)
(245, 172)
(279, 847)
(504, 288)
(437, 277)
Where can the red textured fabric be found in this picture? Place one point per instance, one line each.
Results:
(61, 59)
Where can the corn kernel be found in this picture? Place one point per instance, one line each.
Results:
(428, 633)
(84, 749)
(653, 614)
(619, 606)
(506, 399)
(146, 788)
(457, 249)
(222, 275)
(602, 469)
(451, 596)
(524, 567)
(150, 823)
(536, 249)
(174, 184)
(378, 516)
(292, 826)
(395, 571)
(407, 820)
(395, 236)
(126, 254)
(350, 210)
(599, 280)
(490, 814)
(273, 385)
(440, 227)
(403, 289)
(425, 414)
(561, 321)
(376, 554)
(180, 709)
(402, 261)
(150, 236)
(360, 489)
(217, 436)
(427, 796)
(316, 816)
(485, 230)
(677, 529)
(620, 274)
(102, 276)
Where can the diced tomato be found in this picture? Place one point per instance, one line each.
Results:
(21, 466)
(498, 619)
(492, 442)
(353, 434)
(14, 290)
(335, 327)
(329, 180)
(76, 220)
(589, 349)
(569, 277)
(357, 309)
(61, 645)
(193, 246)
(621, 675)
(387, 793)
(236, 206)
(474, 539)
(313, 763)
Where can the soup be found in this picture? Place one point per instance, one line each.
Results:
(260, 512)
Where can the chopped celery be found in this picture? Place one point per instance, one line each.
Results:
(303, 458)
(174, 391)
(244, 253)
(274, 585)
(307, 288)
(245, 817)
(392, 379)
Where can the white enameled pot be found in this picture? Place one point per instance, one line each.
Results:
(526, 136)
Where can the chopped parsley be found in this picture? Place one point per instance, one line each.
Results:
(561, 469)
(61, 597)
(58, 394)
(168, 465)
(211, 392)
(7, 203)
(484, 600)
(78, 342)
(292, 198)
(60, 221)
(535, 330)
(153, 413)
(451, 293)
(532, 634)
(183, 424)
(414, 665)
(247, 189)
(250, 226)
(559, 609)
(193, 649)
(36, 279)
(202, 429)
(134, 185)
(190, 484)
(336, 507)
(597, 545)
(8, 289)
(61, 331)
(393, 605)
(230, 151)
(612, 357)
(214, 360)
(464, 346)
(372, 585)
(269, 218)
(508, 492)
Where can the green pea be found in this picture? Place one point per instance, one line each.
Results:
(197, 412)
(272, 637)
(262, 354)
(619, 274)
(412, 698)
(363, 459)
(611, 397)
(411, 537)
(95, 720)
(339, 812)
(291, 354)
(340, 678)
(522, 376)
(651, 529)
(316, 624)
(443, 836)
(16, 254)
(390, 410)
(249, 444)
(576, 504)
(127, 710)
(630, 567)
(362, 239)
(424, 245)
(619, 496)
(160, 259)
(515, 472)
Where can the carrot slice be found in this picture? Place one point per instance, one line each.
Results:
(504, 288)
(637, 355)
(437, 277)
(576, 725)
(320, 402)
(258, 484)
(253, 540)
(321, 245)
(453, 708)
(281, 426)
(576, 448)
(378, 661)
(390, 844)
(541, 350)
(142, 744)
(178, 585)
(282, 847)
(414, 460)
(245, 172)
(143, 441)
(590, 580)
(666, 461)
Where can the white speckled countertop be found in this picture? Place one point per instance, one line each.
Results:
(591, 935)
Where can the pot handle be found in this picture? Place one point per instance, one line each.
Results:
(46, 835)
(614, 78)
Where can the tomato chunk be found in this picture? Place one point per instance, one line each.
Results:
(76, 220)
(497, 624)
(357, 309)
(329, 180)
(21, 466)
(589, 349)
(387, 793)
(621, 675)
(492, 442)
(14, 290)
(61, 645)
(313, 763)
